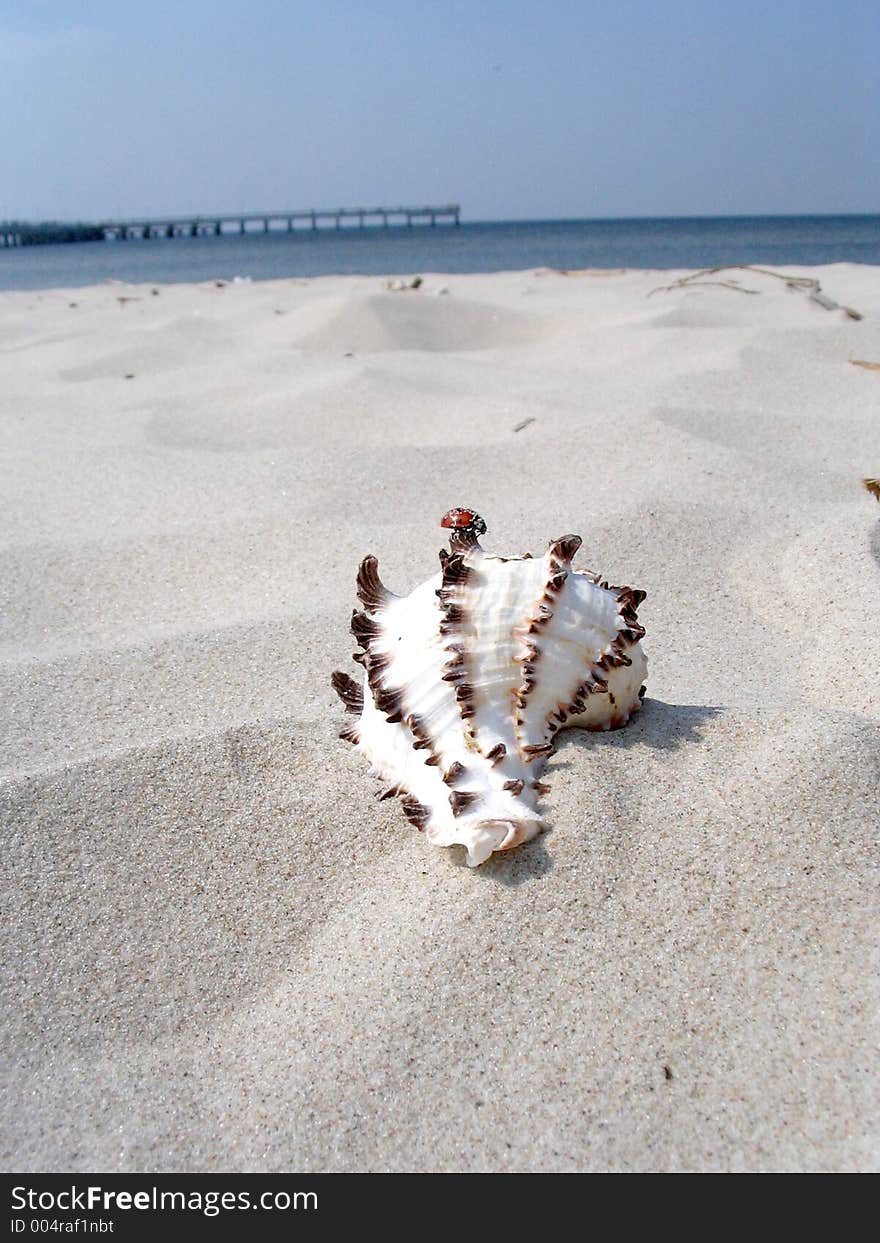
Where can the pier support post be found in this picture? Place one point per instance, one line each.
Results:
(266, 224)
(314, 221)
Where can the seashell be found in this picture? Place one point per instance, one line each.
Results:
(470, 676)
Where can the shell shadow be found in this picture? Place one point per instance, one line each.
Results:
(662, 726)
(512, 868)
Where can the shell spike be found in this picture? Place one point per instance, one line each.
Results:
(364, 629)
(348, 691)
(563, 549)
(371, 591)
(452, 774)
(460, 800)
(416, 813)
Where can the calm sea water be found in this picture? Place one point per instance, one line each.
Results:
(662, 243)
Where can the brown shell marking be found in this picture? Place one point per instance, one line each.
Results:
(416, 813)
(422, 739)
(560, 553)
(351, 694)
(537, 749)
(456, 769)
(456, 576)
(390, 700)
(614, 656)
(461, 800)
(371, 591)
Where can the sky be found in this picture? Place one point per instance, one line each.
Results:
(553, 109)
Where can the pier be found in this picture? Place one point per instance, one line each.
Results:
(280, 221)
(312, 219)
(22, 233)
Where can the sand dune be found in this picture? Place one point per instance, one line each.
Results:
(377, 323)
(221, 952)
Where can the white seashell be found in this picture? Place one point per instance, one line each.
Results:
(472, 674)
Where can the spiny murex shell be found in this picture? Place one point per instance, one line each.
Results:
(471, 675)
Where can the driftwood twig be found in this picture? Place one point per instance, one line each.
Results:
(808, 284)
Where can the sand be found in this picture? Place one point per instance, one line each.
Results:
(221, 953)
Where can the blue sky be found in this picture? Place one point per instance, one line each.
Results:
(516, 110)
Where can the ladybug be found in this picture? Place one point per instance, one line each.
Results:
(466, 521)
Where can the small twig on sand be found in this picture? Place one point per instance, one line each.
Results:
(690, 282)
(861, 362)
(873, 486)
(524, 423)
(808, 284)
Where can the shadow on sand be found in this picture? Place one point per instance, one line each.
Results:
(659, 725)
(514, 867)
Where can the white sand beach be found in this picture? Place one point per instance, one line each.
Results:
(221, 952)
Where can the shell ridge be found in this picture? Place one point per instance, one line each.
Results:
(621, 664)
(616, 629)
(429, 724)
(468, 580)
(495, 643)
(558, 559)
(457, 574)
(407, 771)
(387, 698)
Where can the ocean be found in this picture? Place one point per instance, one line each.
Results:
(693, 242)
